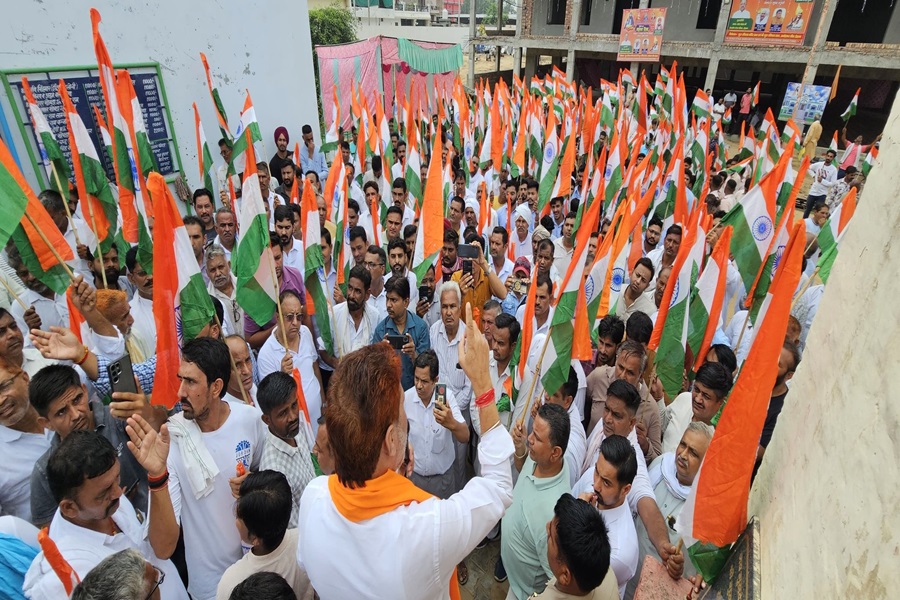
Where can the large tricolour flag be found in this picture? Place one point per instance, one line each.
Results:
(707, 299)
(313, 267)
(429, 235)
(558, 355)
(52, 158)
(715, 512)
(181, 304)
(99, 207)
(257, 290)
(247, 123)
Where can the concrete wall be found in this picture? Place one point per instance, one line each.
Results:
(681, 21)
(238, 41)
(602, 13)
(829, 487)
(892, 35)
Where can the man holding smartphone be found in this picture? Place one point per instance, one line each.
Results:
(476, 280)
(403, 330)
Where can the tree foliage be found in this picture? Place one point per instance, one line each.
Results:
(329, 26)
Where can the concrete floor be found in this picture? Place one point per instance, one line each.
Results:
(481, 584)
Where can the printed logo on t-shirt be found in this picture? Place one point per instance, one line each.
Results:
(242, 453)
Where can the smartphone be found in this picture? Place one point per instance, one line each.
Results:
(520, 286)
(425, 293)
(440, 394)
(121, 375)
(467, 251)
(467, 266)
(396, 341)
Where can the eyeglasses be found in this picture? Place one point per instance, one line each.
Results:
(160, 577)
(7, 385)
(293, 317)
(372, 265)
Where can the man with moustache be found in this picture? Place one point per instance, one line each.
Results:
(141, 304)
(286, 447)
(223, 287)
(354, 319)
(203, 207)
(241, 385)
(226, 231)
(94, 518)
(63, 406)
(210, 438)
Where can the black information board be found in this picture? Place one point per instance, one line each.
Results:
(85, 92)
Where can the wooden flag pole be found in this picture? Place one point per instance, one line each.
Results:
(537, 375)
(13, 293)
(278, 304)
(805, 287)
(65, 204)
(50, 246)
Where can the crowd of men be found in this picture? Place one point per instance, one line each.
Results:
(221, 497)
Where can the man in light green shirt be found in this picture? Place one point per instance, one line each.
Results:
(543, 479)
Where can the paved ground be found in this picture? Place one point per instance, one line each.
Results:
(481, 584)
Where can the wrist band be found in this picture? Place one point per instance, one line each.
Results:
(485, 398)
(84, 356)
(158, 483)
(151, 479)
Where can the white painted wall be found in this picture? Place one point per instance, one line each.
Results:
(828, 489)
(266, 49)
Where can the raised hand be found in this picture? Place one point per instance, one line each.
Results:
(59, 343)
(149, 448)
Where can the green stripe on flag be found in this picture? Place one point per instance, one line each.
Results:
(255, 301)
(56, 277)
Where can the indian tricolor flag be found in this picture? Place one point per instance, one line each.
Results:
(701, 106)
(612, 173)
(670, 335)
(715, 512)
(753, 222)
(98, 205)
(549, 163)
(52, 158)
(181, 304)
(833, 146)
(217, 102)
(242, 142)
(834, 227)
(430, 233)
(869, 162)
(257, 290)
(204, 156)
(707, 299)
(558, 355)
(119, 131)
(851, 110)
(17, 198)
(755, 100)
(413, 167)
(313, 267)
(331, 136)
(129, 98)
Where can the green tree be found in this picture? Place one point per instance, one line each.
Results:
(490, 12)
(327, 27)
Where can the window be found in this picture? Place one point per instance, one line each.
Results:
(586, 8)
(556, 13)
(617, 16)
(708, 15)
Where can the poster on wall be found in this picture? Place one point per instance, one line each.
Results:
(642, 32)
(809, 106)
(768, 22)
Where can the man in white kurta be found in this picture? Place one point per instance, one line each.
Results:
(410, 549)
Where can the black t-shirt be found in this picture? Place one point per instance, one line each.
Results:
(775, 406)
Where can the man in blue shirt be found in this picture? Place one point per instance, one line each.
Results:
(312, 159)
(400, 321)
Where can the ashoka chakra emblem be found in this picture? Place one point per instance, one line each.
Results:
(762, 228)
(618, 278)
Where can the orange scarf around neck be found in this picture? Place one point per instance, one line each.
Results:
(379, 496)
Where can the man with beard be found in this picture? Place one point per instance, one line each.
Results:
(426, 308)
(354, 320)
(632, 299)
(292, 250)
(46, 308)
(671, 476)
(194, 229)
(665, 256)
(114, 307)
(400, 321)
(142, 305)
(450, 260)
(286, 448)
(400, 199)
(359, 241)
(223, 286)
(21, 436)
(282, 155)
(93, 518)
(397, 259)
(610, 333)
(209, 438)
(203, 207)
(288, 176)
(651, 236)
(613, 475)
(63, 406)
(226, 231)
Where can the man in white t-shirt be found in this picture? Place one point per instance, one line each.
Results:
(214, 445)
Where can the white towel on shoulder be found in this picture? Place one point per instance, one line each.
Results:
(198, 462)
